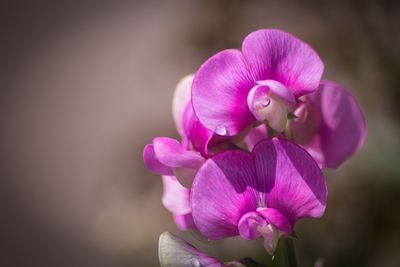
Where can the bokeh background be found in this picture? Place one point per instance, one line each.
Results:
(86, 84)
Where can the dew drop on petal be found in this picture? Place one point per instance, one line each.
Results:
(221, 130)
(195, 263)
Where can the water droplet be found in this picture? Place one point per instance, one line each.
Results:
(266, 101)
(221, 130)
(195, 263)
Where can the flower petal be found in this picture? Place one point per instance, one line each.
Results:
(171, 153)
(176, 198)
(219, 93)
(277, 55)
(195, 133)
(184, 163)
(342, 128)
(175, 252)
(277, 219)
(180, 100)
(307, 120)
(221, 193)
(249, 224)
(293, 182)
(255, 135)
(152, 163)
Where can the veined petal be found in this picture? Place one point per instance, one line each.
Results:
(277, 55)
(176, 198)
(222, 192)
(175, 252)
(219, 93)
(152, 163)
(293, 182)
(180, 100)
(342, 128)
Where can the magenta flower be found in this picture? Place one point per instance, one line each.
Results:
(233, 89)
(330, 125)
(262, 193)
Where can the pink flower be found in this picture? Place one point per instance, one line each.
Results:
(262, 193)
(330, 125)
(233, 89)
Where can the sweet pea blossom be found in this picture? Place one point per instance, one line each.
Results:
(262, 193)
(329, 125)
(234, 89)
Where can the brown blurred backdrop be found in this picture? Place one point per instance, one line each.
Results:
(86, 84)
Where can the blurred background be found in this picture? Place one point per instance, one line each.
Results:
(86, 84)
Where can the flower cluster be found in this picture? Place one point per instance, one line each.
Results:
(256, 126)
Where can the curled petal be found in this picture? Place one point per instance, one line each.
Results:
(279, 56)
(292, 181)
(195, 133)
(276, 218)
(183, 162)
(269, 107)
(341, 128)
(171, 153)
(180, 101)
(219, 93)
(249, 224)
(221, 193)
(153, 164)
(279, 90)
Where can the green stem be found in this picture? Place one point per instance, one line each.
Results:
(289, 253)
